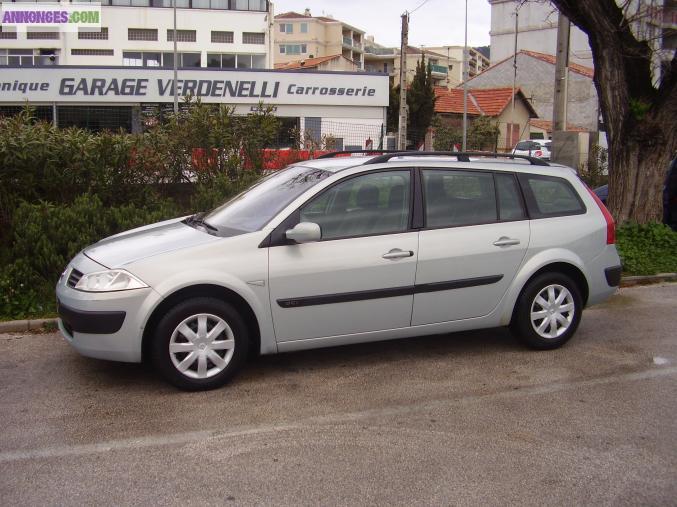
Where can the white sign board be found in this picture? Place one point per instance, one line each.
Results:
(148, 84)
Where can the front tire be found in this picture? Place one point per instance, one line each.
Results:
(548, 311)
(200, 344)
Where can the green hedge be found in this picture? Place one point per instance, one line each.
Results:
(63, 189)
(647, 249)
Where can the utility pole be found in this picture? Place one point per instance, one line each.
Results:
(559, 106)
(402, 130)
(176, 83)
(511, 127)
(465, 82)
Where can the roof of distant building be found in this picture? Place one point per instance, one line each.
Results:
(547, 126)
(588, 72)
(310, 63)
(481, 101)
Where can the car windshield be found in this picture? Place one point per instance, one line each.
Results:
(255, 207)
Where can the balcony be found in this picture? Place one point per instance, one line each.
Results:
(438, 69)
(371, 50)
(349, 42)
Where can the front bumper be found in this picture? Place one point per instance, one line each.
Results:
(107, 325)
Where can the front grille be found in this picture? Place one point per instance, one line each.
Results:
(73, 278)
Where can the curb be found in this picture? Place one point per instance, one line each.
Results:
(631, 281)
(18, 326)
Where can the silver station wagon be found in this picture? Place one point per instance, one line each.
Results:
(343, 250)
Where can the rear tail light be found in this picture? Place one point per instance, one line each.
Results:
(538, 153)
(610, 225)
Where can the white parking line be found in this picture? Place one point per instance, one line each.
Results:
(201, 436)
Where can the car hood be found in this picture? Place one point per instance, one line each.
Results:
(136, 244)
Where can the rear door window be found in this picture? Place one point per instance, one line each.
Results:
(457, 198)
(549, 196)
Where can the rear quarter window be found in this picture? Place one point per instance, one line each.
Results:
(549, 196)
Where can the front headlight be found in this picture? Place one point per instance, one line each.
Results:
(109, 281)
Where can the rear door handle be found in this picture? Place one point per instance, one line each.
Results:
(505, 241)
(396, 253)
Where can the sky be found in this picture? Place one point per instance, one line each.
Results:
(435, 23)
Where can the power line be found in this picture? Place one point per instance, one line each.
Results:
(419, 6)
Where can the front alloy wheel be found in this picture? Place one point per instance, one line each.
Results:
(200, 344)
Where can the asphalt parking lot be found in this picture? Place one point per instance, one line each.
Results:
(469, 418)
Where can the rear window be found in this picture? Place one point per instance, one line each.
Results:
(549, 196)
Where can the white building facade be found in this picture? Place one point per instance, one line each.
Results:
(139, 33)
(536, 31)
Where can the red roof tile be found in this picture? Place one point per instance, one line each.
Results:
(451, 101)
(489, 101)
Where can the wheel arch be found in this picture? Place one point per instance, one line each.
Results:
(204, 290)
(563, 267)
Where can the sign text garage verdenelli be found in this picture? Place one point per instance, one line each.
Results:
(61, 84)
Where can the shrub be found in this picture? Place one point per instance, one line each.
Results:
(647, 249)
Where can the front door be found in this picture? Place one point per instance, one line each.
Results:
(359, 277)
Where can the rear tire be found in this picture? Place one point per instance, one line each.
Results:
(547, 312)
(200, 344)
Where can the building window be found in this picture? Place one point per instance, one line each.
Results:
(7, 35)
(181, 35)
(286, 28)
(94, 35)
(29, 57)
(304, 27)
(157, 59)
(92, 52)
(253, 38)
(293, 49)
(236, 61)
(42, 35)
(249, 5)
(226, 37)
(149, 34)
(130, 3)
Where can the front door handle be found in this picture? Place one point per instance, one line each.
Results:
(396, 253)
(505, 241)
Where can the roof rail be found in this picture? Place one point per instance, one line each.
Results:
(350, 152)
(461, 156)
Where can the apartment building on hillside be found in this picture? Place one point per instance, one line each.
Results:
(303, 36)
(477, 62)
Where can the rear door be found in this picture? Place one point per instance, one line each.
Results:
(475, 236)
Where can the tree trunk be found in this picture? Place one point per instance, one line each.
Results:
(639, 118)
(638, 162)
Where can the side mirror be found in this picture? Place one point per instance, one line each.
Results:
(305, 232)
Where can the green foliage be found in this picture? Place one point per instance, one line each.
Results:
(393, 114)
(647, 249)
(597, 172)
(420, 101)
(482, 135)
(446, 137)
(63, 189)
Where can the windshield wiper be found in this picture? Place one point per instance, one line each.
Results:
(197, 220)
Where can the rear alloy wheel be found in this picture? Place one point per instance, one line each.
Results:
(548, 311)
(200, 344)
